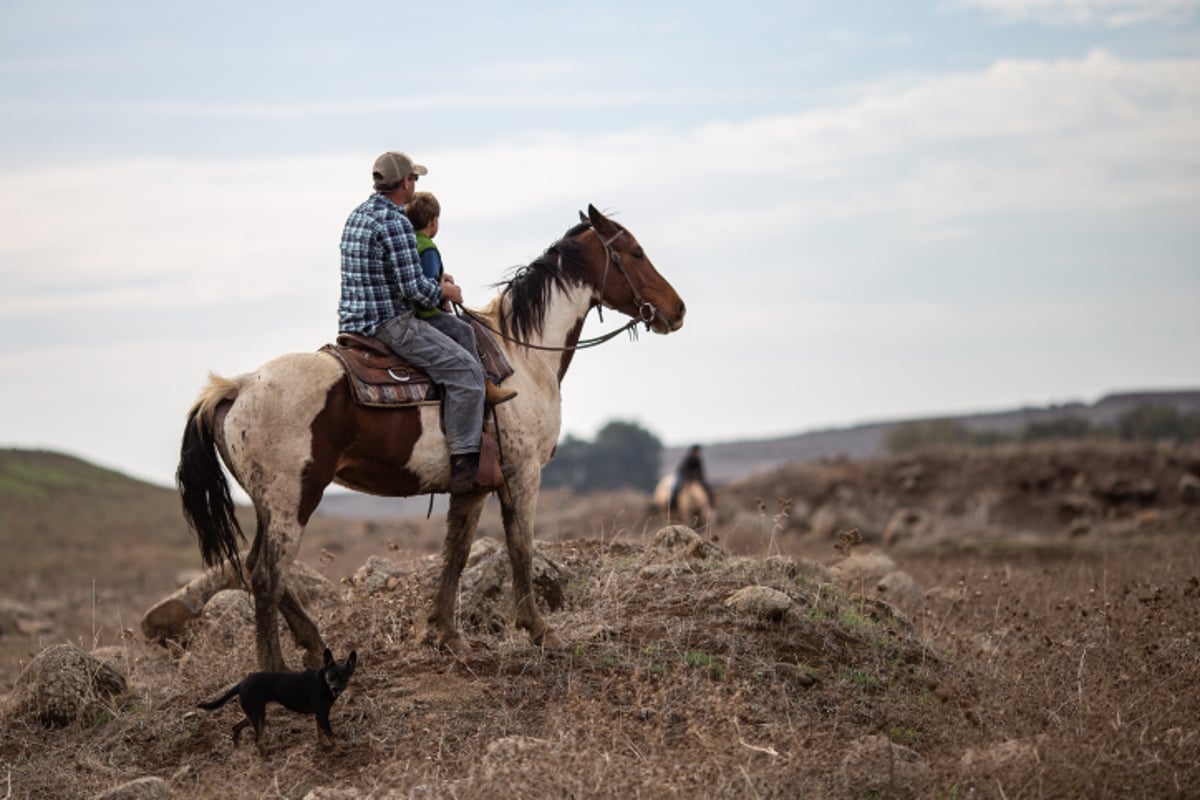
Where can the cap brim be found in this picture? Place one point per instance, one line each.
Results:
(419, 170)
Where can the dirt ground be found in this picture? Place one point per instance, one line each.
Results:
(1037, 636)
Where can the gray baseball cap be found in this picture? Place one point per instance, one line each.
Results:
(393, 167)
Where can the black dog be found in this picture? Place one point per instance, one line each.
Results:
(310, 692)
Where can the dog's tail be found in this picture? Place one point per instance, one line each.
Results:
(213, 705)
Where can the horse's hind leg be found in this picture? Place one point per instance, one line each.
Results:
(304, 630)
(517, 503)
(461, 520)
(274, 549)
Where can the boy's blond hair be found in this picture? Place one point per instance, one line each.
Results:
(422, 210)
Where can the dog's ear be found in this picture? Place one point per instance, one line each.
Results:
(328, 656)
(353, 659)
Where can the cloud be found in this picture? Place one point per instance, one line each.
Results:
(1105, 13)
(930, 154)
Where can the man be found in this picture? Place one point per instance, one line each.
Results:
(382, 285)
(691, 468)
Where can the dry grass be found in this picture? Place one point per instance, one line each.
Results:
(1074, 656)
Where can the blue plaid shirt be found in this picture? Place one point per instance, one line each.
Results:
(381, 270)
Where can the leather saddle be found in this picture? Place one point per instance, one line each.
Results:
(380, 378)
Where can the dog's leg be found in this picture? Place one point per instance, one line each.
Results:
(259, 725)
(325, 731)
(237, 730)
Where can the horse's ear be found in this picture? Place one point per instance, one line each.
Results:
(582, 217)
(598, 220)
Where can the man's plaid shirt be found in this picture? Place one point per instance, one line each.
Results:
(381, 271)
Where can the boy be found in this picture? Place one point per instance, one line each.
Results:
(424, 212)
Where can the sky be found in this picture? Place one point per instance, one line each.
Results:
(873, 210)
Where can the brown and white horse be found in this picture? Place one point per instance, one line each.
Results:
(691, 504)
(289, 429)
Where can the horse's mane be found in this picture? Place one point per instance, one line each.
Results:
(528, 288)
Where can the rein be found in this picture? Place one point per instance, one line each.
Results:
(582, 344)
(646, 310)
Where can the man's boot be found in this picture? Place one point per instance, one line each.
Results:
(463, 469)
(470, 474)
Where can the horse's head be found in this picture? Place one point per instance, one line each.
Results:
(623, 278)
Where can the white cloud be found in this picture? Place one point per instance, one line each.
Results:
(929, 154)
(1106, 13)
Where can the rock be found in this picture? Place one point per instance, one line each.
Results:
(481, 548)
(900, 589)
(512, 751)
(654, 572)
(485, 590)
(8, 623)
(377, 574)
(169, 617)
(863, 567)
(680, 540)
(1188, 488)
(151, 788)
(326, 793)
(17, 618)
(761, 602)
(1018, 754)
(226, 614)
(828, 520)
(906, 524)
(876, 767)
(313, 588)
(64, 684)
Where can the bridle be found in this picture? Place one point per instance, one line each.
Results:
(647, 312)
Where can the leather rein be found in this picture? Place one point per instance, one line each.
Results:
(646, 310)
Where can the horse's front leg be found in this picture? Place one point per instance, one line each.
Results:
(518, 502)
(461, 520)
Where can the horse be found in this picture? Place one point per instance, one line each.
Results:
(691, 504)
(289, 429)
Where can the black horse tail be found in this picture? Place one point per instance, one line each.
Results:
(207, 504)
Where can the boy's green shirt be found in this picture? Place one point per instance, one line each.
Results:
(425, 243)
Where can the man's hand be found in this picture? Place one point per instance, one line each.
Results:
(450, 294)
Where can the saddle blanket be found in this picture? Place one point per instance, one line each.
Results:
(380, 378)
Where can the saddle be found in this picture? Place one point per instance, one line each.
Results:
(379, 378)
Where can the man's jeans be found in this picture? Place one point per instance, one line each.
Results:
(457, 370)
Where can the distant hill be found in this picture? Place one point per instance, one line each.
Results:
(60, 516)
(728, 461)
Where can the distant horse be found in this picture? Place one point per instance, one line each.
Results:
(691, 505)
(290, 428)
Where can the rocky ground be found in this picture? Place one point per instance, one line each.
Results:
(1005, 623)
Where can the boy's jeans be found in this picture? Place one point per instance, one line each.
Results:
(458, 371)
